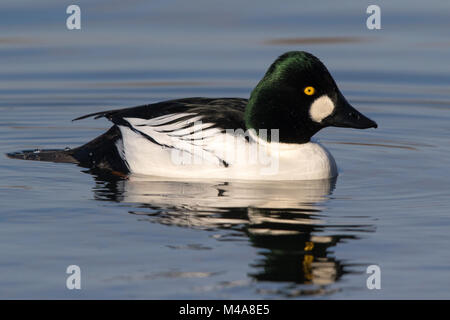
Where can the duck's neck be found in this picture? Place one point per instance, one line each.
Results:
(272, 120)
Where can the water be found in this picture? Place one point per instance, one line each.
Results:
(159, 238)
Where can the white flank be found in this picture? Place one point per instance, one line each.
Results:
(200, 151)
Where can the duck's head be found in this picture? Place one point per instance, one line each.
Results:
(298, 96)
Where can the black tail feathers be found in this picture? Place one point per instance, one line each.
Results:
(100, 153)
(51, 155)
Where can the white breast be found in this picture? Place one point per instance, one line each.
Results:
(209, 153)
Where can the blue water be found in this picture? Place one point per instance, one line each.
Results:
(155, 238)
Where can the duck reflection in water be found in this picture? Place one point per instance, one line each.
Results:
(284, 220)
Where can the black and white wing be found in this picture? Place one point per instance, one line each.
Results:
(186, 125)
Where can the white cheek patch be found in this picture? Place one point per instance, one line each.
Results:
(321, 108)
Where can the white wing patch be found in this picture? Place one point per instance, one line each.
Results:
(159, 120)
(182, 131)
(321, 108)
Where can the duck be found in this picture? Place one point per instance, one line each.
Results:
(265, 137)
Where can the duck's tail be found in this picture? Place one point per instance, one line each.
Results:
(50, 155)
(100, 153)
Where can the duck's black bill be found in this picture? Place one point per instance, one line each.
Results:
(348, 117)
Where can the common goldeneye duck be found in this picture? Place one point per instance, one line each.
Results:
(265, 137)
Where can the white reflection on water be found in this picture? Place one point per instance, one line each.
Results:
(284, 220)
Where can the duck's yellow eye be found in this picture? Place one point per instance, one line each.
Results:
(309, 91)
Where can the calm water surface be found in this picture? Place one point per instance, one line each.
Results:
(149, 237)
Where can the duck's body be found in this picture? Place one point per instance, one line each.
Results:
(267, 137)
(309, 161)
(206, 138)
